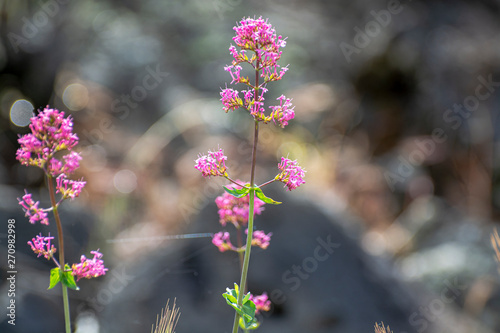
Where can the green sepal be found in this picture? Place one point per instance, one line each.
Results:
(68, 279)
(262, 196)
(238, 193)
(55, 277)
(246, 310)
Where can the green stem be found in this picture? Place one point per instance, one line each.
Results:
(239, 236)
(62, 262)
(248, 247)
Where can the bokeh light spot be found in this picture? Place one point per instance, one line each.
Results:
(75, 96)
(21, 112)
(125, 181)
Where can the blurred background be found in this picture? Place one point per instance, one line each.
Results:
(396, 124)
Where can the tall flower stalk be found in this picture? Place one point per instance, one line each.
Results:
(257, 45)
(52, 135)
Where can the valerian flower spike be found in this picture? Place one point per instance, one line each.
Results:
(258, 36)
(51, 134)
(257, 45)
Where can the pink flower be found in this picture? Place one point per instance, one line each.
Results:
(222, 241)
(235, 73)
(284, 112)
(271, 73)
(54, 167)
(260, 238)
(41, 246)
(32, 210)
(89, 268)
(213, 164)
(259, 36)
(291, 173)
(262, 302)
(230, 99)
(235, 210)
(71, 162)
(50, 132)
(29, 145)
(69, 188)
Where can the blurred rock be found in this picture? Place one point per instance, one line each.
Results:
(317, 277)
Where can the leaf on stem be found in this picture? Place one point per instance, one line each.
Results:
(55, 277)
(238, 193)
(246, 310)
(262, 196)
(68, 279)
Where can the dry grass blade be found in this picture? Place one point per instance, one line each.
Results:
(495, 242)
(382, 329)
(166, 322)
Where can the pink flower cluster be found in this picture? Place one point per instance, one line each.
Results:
(230, 99)
(261, 239)
(50, 133)
(262, 302)
(235, 210)
(32, 210)
(284, 112)
(213, 164)
(292, 175)
(69, 188)
(89, 268)
(259, 37)
(223, 242)
(41, 246)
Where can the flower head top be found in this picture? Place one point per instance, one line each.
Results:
(212, 164)
(89, 268)
(292, 175)
(257, 36)
(50, 132)
(235, 210)
(41, 246)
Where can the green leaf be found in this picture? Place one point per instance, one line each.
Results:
(249, 326)
(55, 277)
(68, 279)
(262, 196)
(238, 193)
(248, 316)
(246, 310)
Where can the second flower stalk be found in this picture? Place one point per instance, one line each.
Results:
(257, 37)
